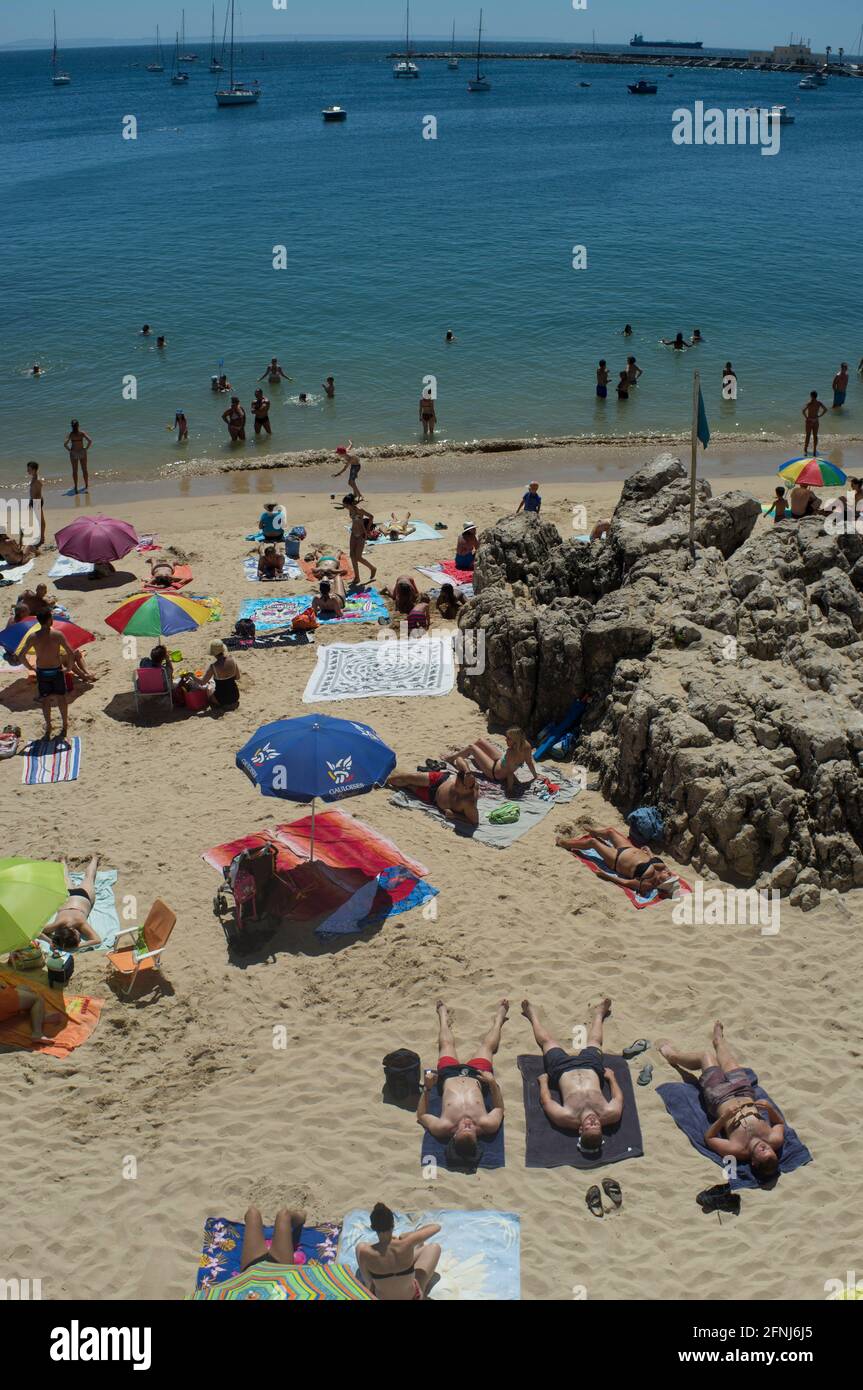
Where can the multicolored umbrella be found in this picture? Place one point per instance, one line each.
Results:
(31, 891)
(94, 538)
(332, 1283)
(157, 615)
(13, 637)
(813, 471)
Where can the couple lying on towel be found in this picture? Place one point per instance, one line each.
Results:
(627, 864)
(456, 793)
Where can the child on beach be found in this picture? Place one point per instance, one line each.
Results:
(779, 507)
(350, 461)
(531, 501)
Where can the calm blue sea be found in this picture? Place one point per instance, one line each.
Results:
(392, 239)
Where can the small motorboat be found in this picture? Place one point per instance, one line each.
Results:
(783, 115)
(642, 88)
(331, 114)
(808, 84)
(584, 84)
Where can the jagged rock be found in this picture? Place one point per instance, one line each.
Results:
(805, 896)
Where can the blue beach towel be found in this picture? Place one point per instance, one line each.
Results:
(480, 1251)
(250, 569)
(640, 899)
(492, 1151)
(356, 915)
(682, 1100)
(362, 606)
(103, 915)
(223, 1243)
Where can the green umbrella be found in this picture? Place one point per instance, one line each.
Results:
(30, 893)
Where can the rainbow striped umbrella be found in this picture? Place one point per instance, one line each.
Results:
(331, 1283)
(13, 637)
(813, 471)
(157, 615)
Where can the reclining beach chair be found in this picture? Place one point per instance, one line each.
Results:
(152, 689)
(156, 931)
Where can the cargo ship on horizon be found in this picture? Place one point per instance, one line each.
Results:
(639, 41)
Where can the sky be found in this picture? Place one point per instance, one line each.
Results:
(719, 23)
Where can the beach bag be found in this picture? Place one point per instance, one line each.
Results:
(292, 541)
(197, 699)
(244, 628)
(28, 958)
(506, 814)
(402, 1073)
(8, 745)
(561, 752)
(646, 826)
(60, 969)
(304, 622)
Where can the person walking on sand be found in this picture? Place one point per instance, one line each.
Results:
(260, 408)
(462, 1087)
(738, 1128)
(350, 460)
(76, 444)
(397, 1268)
(49, 648)
(274, 373)
(812, 412)
(35, 503)
(579, 1078)
(235, 418)
(358, 516)
(428, 413)
(840, 386)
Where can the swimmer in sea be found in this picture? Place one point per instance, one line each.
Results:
(450, 336)
(161, 341)
(330, 388)
(679, 343)
(696, 337)
(274, 373)
(145, 331)
(303, 399)
(627, 331)
(35, 370)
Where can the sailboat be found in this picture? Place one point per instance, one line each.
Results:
(186, 57)
(60, 78)
(453, 60)
(215, 65)
(406, 68)
(479, 83)
(237, 93)
(178, 77)
(159, 65)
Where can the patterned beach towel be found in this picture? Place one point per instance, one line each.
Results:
(250, 569)
(223, 1244)
(480, 1251)
(361, 670)
(365, 606)
(593, 860)
(64, 566)
(215, 607)
(438, 575)
(51, 760)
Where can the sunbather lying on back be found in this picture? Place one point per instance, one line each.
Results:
(628, 865)
(738, 1129)
(463, 1120)
(161, 572)
(324, 565)
(70, 928)
(13, 552)
(455, 794)
(579, 1079)
(397, 527)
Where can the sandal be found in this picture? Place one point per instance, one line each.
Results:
(593, 1199)
(635, 1049)
(719, 1198)
(613, 1191)
(645, 1076)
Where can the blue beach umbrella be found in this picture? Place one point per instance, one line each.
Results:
(316, 757)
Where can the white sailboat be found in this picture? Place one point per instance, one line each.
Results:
(453, 60)
(178, 77)
(185, 57)
(479, 83)
(159, 65)
(215, 63)
(237, 93)
(406, 68)
(60, 78)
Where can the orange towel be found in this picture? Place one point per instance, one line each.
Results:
(308, 568)
(80, 1016)
(182, 577)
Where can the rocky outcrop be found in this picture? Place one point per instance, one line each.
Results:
(725, 689)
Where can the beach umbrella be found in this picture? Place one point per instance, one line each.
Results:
(316, 757)
(94, 538)
(31, 891)
(13, 637)
(331, 1283)
(157, 615)
(814, 472)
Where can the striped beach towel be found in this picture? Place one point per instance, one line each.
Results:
(51, 760)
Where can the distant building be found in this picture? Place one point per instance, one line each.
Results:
(791, 53)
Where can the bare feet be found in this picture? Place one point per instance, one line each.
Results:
(665, 1048)
(502, 1011)
(718, 1033)
(442, 1009)
(528, 1011)
(603, 1007)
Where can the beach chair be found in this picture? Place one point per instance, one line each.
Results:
(156, 931)
(152, 689)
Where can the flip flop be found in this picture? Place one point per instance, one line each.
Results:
(719, 1198)
(645, 1076)
(635, 1049)
(613, 1192)
(593, 1198)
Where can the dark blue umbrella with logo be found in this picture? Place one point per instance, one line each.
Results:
(316, 758)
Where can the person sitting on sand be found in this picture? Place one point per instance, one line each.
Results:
(455, 794)
(466, 547)
(396, 1268)
(271, 522)
(779, 506)
(502, 767)
(803, 501)
(449, 602)
(398, 528)
(70, 928)
(463, 1120)
(73, 661)
(329, 602)
(359, 534)
(404, 594)
(13, 552)
(627, 864)
(32, 601)
(16, 999)
(271, 562)
(738, 1129)
(281, 1249)
(224, 672)
(578, 1077)
(600, 530)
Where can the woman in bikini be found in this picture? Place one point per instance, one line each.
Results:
(397, 1268)
(359, 535)
(161, 573)
(76, 444)
(627, 865)
(502, 767)
(329, 602)
(70, 928)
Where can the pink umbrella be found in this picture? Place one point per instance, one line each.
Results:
(94, 538)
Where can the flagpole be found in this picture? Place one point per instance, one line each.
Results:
(696, 389)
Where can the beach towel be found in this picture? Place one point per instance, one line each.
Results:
(549, 1147)
(64, 566)
(392, 667)
(181, 577)
(290, 571)
(341, 840)
(146, 543)
(215, 607)
(532, 807)
(682, 1100)
(480, 1251)
(80, 1014)
(421, 532)
(51, 760)
(365, 606)
(594, 861)
(103, 916)
(433, 1152)
(13, 574)
(276, 639)
(439, 576)
(308, 568)
(223, 1244)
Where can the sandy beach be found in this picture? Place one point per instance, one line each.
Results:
(184, 1078)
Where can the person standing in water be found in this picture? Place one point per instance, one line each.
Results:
(633, 371)
(76, 444)
(274, 373)
(840, 386)
(428, 414)
(181, 425)
(235, 418)
(812, 412)
(260, 408)
(602, 379)
(729, 383)
(330, 388)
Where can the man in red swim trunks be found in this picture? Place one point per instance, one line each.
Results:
(15, 1000)
(464, 1120)
(455, 794)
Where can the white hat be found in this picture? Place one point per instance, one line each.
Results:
(469, 526)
